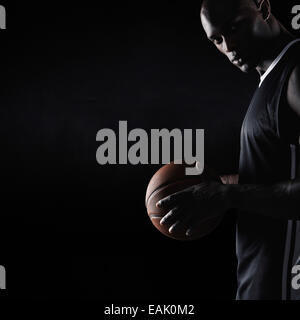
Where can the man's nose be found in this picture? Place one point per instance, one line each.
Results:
(228, 45)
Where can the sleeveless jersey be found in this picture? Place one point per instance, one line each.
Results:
(267, 248)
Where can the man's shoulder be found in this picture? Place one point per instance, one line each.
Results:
(293, 89)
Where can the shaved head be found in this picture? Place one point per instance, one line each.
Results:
(206, 4)
(238, 28)
(215, 7)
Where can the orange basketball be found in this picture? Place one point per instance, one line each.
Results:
(170, 179)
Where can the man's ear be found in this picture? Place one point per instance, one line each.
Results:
(265, 7)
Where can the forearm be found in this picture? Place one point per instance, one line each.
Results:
(280, 200)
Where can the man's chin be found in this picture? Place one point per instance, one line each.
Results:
(246, 68)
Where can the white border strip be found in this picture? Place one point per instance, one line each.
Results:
(274, 63)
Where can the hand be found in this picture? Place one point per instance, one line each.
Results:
(192, 206)
(230, 179)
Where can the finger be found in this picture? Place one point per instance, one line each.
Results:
(224, 179)
(181, 223)
(170, 217)
(234, 179)
(172, 199)
(195, 222)
(174, 227)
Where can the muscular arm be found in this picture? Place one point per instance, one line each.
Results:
(281, 200)
(293, 91)
(201, 202)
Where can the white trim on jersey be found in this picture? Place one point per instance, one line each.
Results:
(274, 63)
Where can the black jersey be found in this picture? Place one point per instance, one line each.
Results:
(266, 247)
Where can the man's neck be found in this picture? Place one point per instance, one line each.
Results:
(275, 46)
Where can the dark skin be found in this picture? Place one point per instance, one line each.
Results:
(251, 38)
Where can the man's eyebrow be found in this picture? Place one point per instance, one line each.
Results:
(212, 37)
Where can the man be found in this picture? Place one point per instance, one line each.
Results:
(267, 197)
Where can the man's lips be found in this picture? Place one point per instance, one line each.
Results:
(237, 61)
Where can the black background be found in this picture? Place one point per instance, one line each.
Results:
(71, 228)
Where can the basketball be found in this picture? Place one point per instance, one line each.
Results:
(172, 178)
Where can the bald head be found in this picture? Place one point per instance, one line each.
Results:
(214, 8)
(207, 3)
(238, 28)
